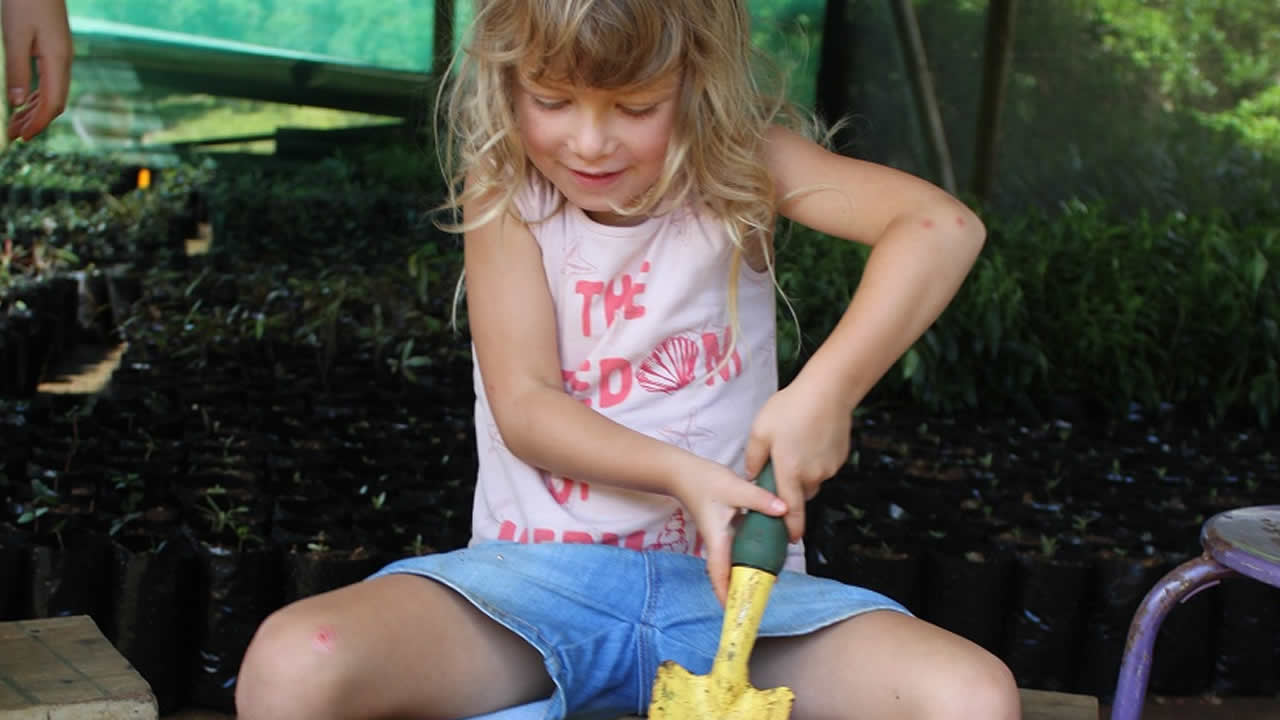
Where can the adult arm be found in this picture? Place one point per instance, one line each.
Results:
(35, 29)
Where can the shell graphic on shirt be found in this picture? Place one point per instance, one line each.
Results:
(671, 366)
(674, 535)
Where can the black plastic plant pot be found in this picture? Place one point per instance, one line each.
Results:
(1244, 663)
(967, 594)
(1043, 639)
(17, 432)
(71, 579)
(42, 197)
(239, 590)
(13, 571)
(21, 362)
(39, 348)
(1118, 586)
(124, 287)
(894, 573)
(19, 196)
(311, 573)
(61, 305)
(8, 351)
(1183, 662)
(151, 579)
(83, 196)
(95, 322)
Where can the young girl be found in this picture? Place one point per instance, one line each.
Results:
(622, 177)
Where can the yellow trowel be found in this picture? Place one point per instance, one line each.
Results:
(759, 550)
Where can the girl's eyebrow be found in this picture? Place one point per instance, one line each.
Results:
(659, 87)
(648, 96)
(543, 84)
(654, 91)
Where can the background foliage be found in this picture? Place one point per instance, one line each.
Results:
(1132, 232)
(1158, 105)
(1132, 250)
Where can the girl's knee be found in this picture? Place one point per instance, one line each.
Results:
(983, 687)
(291, 669)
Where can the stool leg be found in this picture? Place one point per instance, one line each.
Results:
(1135, 668)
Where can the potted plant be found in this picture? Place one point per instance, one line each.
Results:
(239, 586)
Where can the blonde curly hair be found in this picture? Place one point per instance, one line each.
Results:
(716, 154)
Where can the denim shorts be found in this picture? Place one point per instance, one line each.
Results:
(604, 617)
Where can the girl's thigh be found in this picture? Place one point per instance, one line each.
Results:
(886, 665)
(394, 646)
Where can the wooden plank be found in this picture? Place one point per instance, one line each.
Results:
(64, 669)
(1046, 705)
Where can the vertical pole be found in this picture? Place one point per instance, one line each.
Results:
(832, 93)
(4, 110)
(996, 59)
(442, 37)
(922, 89)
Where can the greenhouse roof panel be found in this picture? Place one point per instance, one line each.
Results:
(106, 33)
(383, 33)
(194, 63)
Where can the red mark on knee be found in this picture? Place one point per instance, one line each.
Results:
(928, 224)
(960, 221)
(324, 640)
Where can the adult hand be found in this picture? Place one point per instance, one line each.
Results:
(35, 29)
(804, 429)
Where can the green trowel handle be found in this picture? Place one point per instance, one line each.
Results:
(761, 540)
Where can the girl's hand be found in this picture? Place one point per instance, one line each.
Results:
(805, 430)
(713, 495)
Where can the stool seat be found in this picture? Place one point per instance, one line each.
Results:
(1246, 540)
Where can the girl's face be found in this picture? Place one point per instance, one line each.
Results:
(598, 146)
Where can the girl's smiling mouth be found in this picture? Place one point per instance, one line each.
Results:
(595, 179)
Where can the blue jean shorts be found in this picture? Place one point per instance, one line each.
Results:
(604, 617)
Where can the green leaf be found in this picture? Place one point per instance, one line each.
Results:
(1257, 270)
(910, 364)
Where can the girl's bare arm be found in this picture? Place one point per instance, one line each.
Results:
(924, 241)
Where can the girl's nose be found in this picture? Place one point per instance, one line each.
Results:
(591, 138)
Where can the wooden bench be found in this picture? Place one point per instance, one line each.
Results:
(64, 669)
(1046, 705)
(1036, 705)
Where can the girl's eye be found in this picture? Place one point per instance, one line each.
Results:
(638, 110)
(549, 103)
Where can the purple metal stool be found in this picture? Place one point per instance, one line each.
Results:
(1244, 542)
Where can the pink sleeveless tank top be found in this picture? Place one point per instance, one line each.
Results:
(643, 325)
